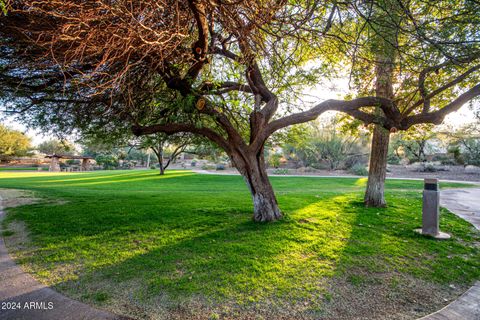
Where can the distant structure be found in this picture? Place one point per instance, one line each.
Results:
(55, 162)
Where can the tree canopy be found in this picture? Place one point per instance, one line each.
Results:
(13, 143)
(436, 50)
(228, 71)
(55, 146)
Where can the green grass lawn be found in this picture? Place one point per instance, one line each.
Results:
(142, 244)
(22, 168)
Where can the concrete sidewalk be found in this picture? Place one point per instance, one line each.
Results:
(465, 203)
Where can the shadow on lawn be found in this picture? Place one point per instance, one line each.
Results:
(173, 250)
(86, 178)
(388, 269)
(239, 261)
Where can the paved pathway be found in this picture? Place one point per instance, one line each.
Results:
(33, 300)
(466, 204)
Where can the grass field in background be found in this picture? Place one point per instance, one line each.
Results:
(22, 168)
(187, 237)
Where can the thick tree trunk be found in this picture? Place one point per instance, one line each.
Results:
(160, 163)
(385, 56)
(374, 195)
(159, 154)
(162, 169)
(252, 168)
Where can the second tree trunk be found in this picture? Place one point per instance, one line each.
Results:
(374, 195)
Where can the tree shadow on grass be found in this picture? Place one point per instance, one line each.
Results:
(88, 178)
(388, 269)
(163, 255)
(220, 257)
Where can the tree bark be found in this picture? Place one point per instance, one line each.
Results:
(252, 168)
(162, 169)
(159, 154)
(160, 160)
(384, 48)
(375, 193)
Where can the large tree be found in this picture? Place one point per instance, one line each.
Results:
(108, 140)
(166, 147)
(423, 56)
(56, 146)
(13, 143)
(227, 71)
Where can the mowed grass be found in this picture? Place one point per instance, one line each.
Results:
(21, 169)
(187, 236)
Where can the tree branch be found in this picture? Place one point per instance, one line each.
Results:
(352, 107)
(436, 117)
(200, 47)
(227, 86)
(426, 97)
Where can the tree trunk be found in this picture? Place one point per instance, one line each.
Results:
(384, 69)
(374, 195)
(252, 168)
(159, 154)
(421, 151)
(160, 163)
(162, 170)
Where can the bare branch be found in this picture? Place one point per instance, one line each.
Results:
(436, 117)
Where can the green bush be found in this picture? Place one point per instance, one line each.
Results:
(274, 160)
(428, 167)
(352, 161)
(393, 159)
(472, 151)
(129, 164)
(208, 167)
(108, 162)
(280, 171)
(359, 170)
(72, 162)
(448, 162)
(457, 154)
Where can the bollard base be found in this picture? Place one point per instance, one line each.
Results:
(439, 236)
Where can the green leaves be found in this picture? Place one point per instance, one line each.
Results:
(13, 143)
(3, 7)
(187, 103)
(56, 146)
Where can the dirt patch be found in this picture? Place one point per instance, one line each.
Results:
(19, 238)
(15, 198)
(386, 296)
(15, 233)
(10, 198)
